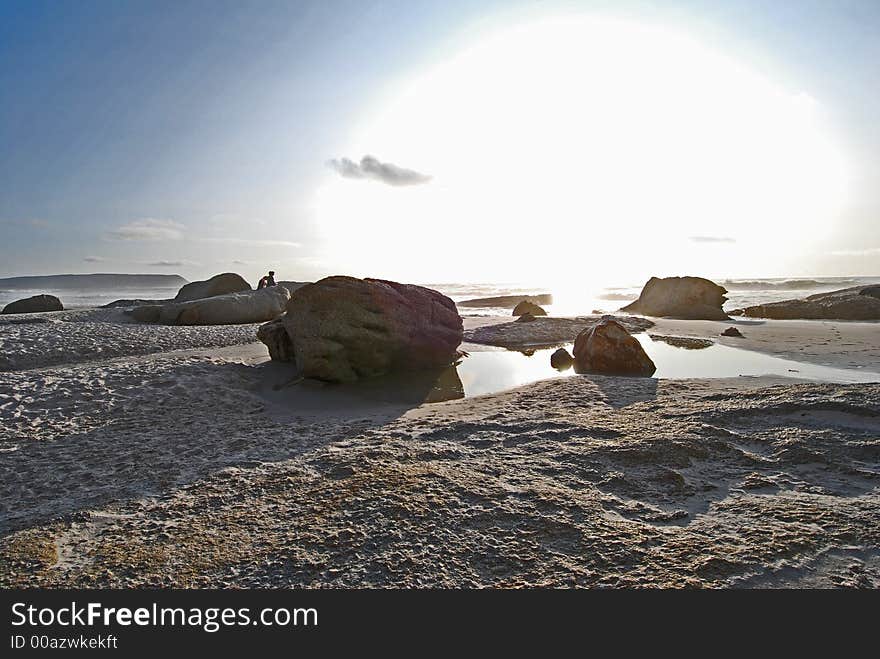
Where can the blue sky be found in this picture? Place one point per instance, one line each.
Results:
(190, 137)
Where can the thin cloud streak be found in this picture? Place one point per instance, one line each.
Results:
(252, 242)
(712, 239)
(149, 229)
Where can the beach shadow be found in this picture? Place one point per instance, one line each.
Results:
(622, 391)
(385, 397)
(174, 429)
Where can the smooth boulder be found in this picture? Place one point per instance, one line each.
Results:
(232, 309)
(608, 348)
(35, 304)
(688, 298)
(525, 307)
(276, 338)
(344, 329)
(222, 284)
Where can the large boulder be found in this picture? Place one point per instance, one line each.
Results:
(276, 338)
(845, 304)
(228, 282)
(232, 309)
(525, 307)
(690, 298)
(35, 304)
(608, 348)
(344, 329)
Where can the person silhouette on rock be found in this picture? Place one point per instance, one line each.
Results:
(268, 280)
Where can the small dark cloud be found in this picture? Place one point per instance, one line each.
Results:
(712, 239)
(94, 259)
(371, 168)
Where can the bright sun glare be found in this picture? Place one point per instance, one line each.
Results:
(586, 150)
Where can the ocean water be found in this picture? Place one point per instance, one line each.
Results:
(73, 298)
(742, 293)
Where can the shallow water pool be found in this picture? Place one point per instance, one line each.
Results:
(489, 370)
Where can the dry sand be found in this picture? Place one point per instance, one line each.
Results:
(176, 461)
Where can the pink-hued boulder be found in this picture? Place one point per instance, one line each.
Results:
(343, 329)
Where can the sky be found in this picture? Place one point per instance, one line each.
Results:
(441, 141)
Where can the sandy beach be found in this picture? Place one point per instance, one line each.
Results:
(141, 455)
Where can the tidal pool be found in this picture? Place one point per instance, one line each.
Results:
(488, 370)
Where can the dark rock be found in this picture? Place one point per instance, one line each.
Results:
(344, 329)
(525, 318)
(689, 298)
(35, 304)
(133, 303)
(686, 342)
(525, 307)
(147, 314)
(561, 360)
(732, 331)
(507, 301)
(228, 282)
(872, 291)
(608, 348)
(276, 338)
(845, 304)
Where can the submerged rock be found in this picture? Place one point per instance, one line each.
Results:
(344, 329)
(525, 307)
(689, 298)
(35, 304)
(732, 331)
(222, 284)
(857, 303)
(608, 348)
(561, 360)
(276, 338)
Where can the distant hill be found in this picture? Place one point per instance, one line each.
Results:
(96, 281)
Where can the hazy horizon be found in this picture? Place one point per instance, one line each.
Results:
(584, 143)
